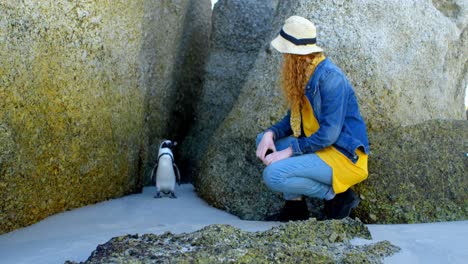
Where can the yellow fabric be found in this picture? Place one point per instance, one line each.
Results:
(295, 119)
(345, 172)
(296, 107)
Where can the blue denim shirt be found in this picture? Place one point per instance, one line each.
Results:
(336, 109)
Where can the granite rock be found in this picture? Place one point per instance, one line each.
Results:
(417, 174)
(84, 87)
(239, 29)
(294, 242)
(405, 61)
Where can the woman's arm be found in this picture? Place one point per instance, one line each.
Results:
(333, 112)
(282, 128)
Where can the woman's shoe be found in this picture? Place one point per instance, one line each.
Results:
(341, 206)
(293, 210)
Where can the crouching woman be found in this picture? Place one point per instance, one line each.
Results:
(319, 149)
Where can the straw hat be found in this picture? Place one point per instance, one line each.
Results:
(298, 36)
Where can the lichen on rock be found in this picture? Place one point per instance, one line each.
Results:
(71, 111)
(417, 174)
(81, 83)
(293, 242)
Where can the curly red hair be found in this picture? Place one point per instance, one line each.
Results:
(295, 74)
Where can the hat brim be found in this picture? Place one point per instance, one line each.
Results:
(284, 46)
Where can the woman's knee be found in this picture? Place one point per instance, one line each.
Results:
(272, 177)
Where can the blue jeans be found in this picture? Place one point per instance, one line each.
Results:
(298, 175)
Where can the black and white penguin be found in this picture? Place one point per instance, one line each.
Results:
(166, 170)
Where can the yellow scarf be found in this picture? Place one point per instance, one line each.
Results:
(297, 107)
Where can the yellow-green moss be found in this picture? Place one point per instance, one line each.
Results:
(71, 109)
(308, 241)
(416, 174)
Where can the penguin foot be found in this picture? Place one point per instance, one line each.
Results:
(158, 195)
(172, 195)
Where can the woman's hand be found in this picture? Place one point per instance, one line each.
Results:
(277, 156)
(265, 144)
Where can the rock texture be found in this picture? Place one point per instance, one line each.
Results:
(230, 174)
(83, 87)
(295, 242)
(417, 174)
(239, 30)
(176, 48)
(456, 10)
(403, 58)
(398, 61)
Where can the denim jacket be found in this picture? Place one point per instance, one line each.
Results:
(336, 109)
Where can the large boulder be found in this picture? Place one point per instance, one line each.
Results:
(296, 242)
(417, 174)
(230, 174)
(239, 29)
(404, 58)
(401, 57)
(83, 88)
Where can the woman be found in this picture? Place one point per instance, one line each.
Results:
(319, 149)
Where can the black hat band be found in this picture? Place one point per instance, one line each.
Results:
(295, 41)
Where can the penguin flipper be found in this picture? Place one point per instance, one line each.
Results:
(177, 172)
(153, 174)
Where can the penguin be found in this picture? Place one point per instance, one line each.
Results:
(165, 171)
